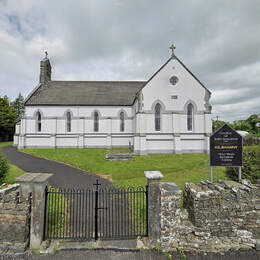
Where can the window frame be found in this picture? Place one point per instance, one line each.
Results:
(190, 115)
(96, 121)
(158, 117)
(68, 121)
(38, 122)
(122, 121)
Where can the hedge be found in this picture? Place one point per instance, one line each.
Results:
(251, 166)
(4, 168)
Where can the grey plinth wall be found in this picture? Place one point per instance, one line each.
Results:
(35, 183)
(154, 206)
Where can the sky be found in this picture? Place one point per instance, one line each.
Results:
(219, 41)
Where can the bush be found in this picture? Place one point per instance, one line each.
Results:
(251, 140)
(251, 166)
(4, 168)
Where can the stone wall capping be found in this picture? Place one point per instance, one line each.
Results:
(169, 188)
(9, 189)
(219, 188)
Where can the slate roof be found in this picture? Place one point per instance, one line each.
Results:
(93, 93)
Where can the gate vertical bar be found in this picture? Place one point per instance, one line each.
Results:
(46, 212)
(96, 209)
(146, 193)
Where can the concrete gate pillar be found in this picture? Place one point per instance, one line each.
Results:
(35, 183)
(154, 206)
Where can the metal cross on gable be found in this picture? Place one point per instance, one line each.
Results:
(172, 47)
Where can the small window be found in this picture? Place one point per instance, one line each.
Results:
(96, 122)
(157, 117)
(190, 117)
(39, 122)
(122, 122)
(68, 121)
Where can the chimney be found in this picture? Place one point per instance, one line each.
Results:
(45, 70)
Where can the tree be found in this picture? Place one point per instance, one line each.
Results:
(18, 106)
(249, 125)
(216, 125)
(8, 118)
(253, 120)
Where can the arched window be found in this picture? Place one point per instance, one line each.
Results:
(38, 122)
(96, 122)
(122, 122)
(190, 117)
(157, 117)
(68, 122)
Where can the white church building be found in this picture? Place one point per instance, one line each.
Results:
(168, 113)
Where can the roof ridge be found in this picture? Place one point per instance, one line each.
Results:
(99, 81)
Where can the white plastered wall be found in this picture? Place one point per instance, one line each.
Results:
(174, 100)
(82, 133)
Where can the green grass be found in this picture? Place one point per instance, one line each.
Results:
(14, 171)
(58, 214)
(175, 168)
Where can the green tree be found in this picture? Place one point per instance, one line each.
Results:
(18, 106)
(253, 120)
(8, 118)
(216, 125)
(249, 125)
(242, 125)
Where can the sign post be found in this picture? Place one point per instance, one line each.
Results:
(226, 149)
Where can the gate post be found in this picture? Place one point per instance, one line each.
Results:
(154, 206)
(35, 183)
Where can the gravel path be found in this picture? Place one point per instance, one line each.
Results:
(64, 176)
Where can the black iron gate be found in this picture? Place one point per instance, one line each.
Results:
(96, 213)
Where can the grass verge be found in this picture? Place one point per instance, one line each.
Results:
(175, 168)
(14, 171)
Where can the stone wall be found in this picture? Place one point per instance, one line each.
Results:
(214, 217)
(14, 220)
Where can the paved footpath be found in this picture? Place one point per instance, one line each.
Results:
(101, 254)
(64, 176)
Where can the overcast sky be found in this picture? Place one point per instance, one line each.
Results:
(219, 41)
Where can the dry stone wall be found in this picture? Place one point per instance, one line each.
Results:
(14, 221)
(214, 217)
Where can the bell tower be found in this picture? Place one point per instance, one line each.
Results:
(45, 70)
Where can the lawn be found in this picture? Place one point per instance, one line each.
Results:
(175, 168)
(14, 171)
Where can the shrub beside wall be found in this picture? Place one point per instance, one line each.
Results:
(4, 167)
(251, 166)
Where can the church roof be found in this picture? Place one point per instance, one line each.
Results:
(92, 93)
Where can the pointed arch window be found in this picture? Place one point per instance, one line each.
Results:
(38, 122)
(96, 121)
(157, 117)
(190, 110)
(122, 122)
(68, 122)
